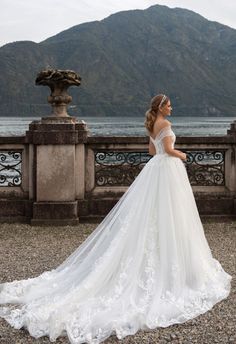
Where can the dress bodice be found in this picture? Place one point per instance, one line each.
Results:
(158, 140)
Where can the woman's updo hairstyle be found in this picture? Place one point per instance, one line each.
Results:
(150, 116)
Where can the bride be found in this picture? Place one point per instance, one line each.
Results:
(146, 265)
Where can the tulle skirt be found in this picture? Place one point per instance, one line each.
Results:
(146, 265)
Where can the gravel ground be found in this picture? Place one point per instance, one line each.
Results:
(27, 251)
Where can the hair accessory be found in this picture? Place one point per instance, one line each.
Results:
(162, 101)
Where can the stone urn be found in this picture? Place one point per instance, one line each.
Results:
(59, 81)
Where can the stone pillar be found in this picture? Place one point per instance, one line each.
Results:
(55, 139)
(232, 130)
(231, 163)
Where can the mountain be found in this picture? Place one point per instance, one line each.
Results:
(126, 59)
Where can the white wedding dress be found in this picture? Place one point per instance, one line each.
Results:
(146, 265)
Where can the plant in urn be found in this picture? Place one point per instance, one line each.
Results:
(58, 81)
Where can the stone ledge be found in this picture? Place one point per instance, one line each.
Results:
(94, 210)
(51, 126)
(12, 139)
(55, 211)
(12, 208)
(111, 139)
(214, 206)
(53, 137)
(179, 139)
(99, 207)
(14, 219)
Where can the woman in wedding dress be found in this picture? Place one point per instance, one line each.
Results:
(146, 265)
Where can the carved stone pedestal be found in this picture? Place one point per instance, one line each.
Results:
(56, 145)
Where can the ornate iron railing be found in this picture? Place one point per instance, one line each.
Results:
(120, 168)
(10, 168)
(206, 167)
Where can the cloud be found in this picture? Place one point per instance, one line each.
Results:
(38, 20)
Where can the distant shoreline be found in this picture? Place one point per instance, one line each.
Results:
(129, 126)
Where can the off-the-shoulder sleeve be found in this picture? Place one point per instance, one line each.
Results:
(166, 131)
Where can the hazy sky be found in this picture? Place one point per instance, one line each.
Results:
(37, 20)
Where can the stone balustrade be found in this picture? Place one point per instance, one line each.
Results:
(59, 174)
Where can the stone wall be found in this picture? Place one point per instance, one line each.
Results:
(66, 175)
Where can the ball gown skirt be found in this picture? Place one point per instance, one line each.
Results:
(146, 265)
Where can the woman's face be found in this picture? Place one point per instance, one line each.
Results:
(166, 109)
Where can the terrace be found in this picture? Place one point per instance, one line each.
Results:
(28, 250)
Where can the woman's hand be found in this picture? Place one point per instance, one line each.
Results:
(183, 156)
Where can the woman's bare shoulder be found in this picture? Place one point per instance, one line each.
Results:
(167, 123)
(159, 125)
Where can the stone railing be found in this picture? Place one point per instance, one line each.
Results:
(10, 167)
(117, 160)
(113, 163)
(14, 167)
(59, 176)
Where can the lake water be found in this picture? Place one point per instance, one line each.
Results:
(130, 126)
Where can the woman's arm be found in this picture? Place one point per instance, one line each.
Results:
(167, 142)
(151, 148)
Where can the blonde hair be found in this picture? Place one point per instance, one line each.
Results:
(151, 114)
